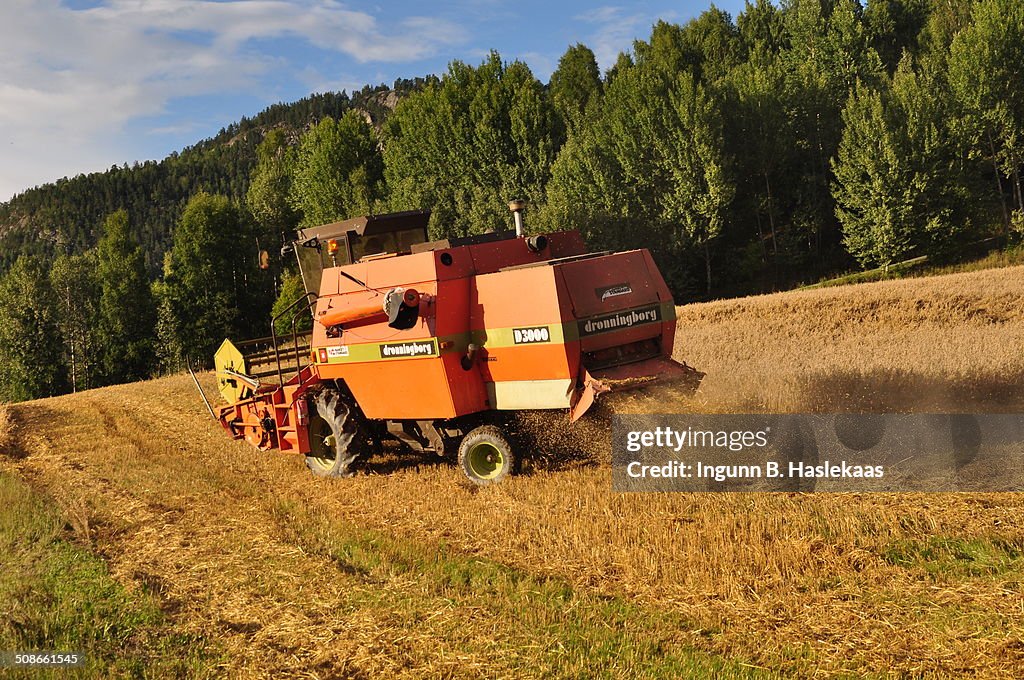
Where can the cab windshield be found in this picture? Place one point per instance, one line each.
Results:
(312, 262)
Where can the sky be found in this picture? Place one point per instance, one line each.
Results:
(87, 84)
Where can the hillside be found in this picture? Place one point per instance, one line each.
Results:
(407, 571)
(66, 216)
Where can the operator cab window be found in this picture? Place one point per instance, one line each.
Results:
(354, 239)
(397, 242)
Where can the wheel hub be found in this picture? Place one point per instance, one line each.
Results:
(323, 444)
(486, 461)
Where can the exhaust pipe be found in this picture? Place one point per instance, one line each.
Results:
(517, 207)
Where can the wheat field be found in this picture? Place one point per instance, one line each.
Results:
(408, 571)
(941, 343)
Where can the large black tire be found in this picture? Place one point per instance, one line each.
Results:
(337, 434)
(485, 455)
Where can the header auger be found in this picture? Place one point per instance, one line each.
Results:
(428, 342)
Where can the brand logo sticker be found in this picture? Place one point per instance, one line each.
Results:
(422, 348)
(613, 291)
(525, 336)
(625, 319)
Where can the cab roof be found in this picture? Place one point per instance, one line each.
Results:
(368, 225)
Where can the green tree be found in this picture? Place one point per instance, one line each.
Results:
(126, 311)
(606, 180)
(899, 180)
(945, 20)
(943, 186)
(829, 52)
(269, 202)
(894, 27)
(762, 143)
(170, 353)
(270, 185)
(76, 287)
(465, 146)
(651, 168)
(291, 290)
(30, 337)
(338, 171)
(623, 63)
(693, 152)
(575, 85)
(985, 73)
(202, 292)
(762, 28)
(716, 41)
(874, 196)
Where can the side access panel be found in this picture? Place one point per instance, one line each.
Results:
(410, 374)
(518, 319)
(619, 299)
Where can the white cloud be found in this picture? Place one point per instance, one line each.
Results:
(615, 32)
(315, 80)
(328, 25)
(72, 79)
(541, 65)
(600, 15)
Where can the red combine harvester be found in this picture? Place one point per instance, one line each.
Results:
(427, 341)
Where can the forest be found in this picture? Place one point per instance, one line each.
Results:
(748, 153)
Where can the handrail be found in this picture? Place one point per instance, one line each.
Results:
(295, 337)
(256, 341)
(273, 331)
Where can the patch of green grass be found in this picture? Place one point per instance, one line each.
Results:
(897, 270)
(920, 266)
(536, 625)
(1006, 257)
(958, 557)
(58, 596)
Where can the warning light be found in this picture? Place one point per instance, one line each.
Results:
(332, 247)
(323, 355)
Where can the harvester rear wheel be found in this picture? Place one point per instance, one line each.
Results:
(485, 455)
(337, 435)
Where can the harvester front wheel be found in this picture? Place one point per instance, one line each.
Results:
(485, 456)
(337, 435)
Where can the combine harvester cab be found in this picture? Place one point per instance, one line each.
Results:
(427, 342)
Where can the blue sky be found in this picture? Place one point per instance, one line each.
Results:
(87, 84)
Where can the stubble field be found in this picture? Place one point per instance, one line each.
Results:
(257, 569)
